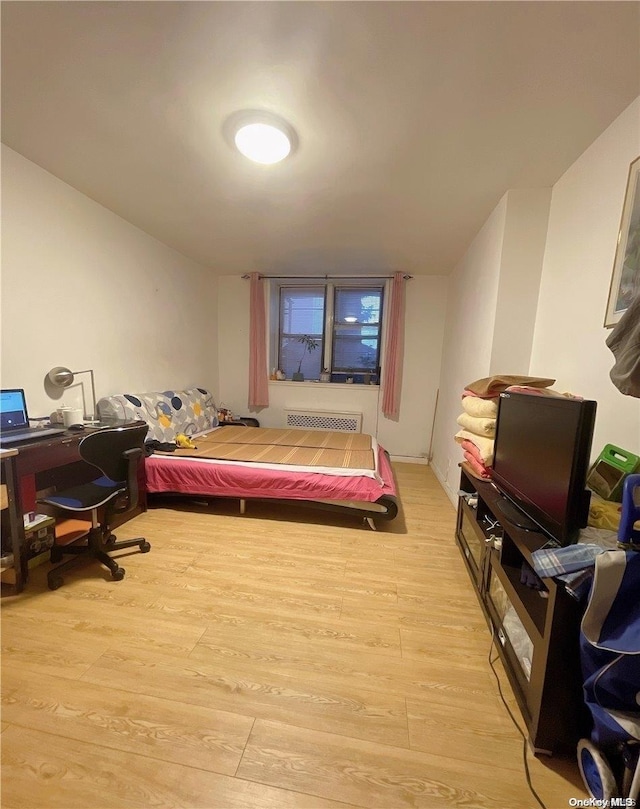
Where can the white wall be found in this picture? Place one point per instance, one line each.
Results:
(426, 306)
(492, 312)
(410, 435)
(85, 289)
(563, 315)
(569, 339)
(525, 232)
(468, 337)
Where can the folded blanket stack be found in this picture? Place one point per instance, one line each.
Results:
(478, 417)
(478, 423)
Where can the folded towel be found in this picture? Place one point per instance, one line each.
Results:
(478, 467)
(482, 408)
(485, 445)
(477, 425)
(492, 385)
(542, 392)
(549, 562)
(473, 395)
(469, 446)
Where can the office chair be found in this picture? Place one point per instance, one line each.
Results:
(116, 452)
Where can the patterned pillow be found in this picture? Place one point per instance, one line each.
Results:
(167, 413)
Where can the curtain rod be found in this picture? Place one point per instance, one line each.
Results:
(326, 277)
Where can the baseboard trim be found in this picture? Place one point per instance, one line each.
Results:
(409, 459)
(453, 496)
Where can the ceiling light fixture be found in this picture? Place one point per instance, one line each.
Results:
(351, 319)
(260, 136)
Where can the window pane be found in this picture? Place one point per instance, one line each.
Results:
(361, 303)
(356, 335)
(301, 313)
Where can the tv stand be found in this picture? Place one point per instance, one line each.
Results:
(514, 515)
(537, 631)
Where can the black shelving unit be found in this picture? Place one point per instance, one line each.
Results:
(536, 631)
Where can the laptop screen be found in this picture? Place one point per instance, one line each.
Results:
(13, 409)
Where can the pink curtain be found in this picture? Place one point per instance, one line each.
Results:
(394, 352)
(258, 379)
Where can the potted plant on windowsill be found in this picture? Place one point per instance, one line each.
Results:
(368, 362)
(310, 345)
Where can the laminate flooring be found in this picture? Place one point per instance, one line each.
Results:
(280, 659)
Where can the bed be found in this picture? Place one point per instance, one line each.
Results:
(340, 472)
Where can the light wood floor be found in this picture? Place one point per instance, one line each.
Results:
(274, 660)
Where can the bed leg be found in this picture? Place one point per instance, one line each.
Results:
(370, 523)
(243, 505)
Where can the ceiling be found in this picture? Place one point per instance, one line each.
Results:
(413, 118)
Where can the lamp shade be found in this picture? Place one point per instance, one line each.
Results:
(60, 377)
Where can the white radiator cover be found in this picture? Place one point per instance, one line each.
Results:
(343, 422)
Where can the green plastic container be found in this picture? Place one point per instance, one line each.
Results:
(606, 476)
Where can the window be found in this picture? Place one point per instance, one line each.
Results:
(356, 329)
(302, 313)
(333, 326)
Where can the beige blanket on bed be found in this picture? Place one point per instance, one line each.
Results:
(285, 446)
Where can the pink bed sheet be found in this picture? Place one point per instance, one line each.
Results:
(186, 476)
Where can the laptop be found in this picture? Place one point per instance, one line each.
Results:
(14, 420)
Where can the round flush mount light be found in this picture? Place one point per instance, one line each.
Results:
(262, 143)
(350, 319)
(261, 136)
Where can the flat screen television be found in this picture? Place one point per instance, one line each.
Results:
(541, 459)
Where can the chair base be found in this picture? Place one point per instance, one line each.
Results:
(96, 547)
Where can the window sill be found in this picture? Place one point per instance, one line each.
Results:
(312, 383)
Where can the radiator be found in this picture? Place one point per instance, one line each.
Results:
(324, 420)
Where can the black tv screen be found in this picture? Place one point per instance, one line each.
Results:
(541, 458)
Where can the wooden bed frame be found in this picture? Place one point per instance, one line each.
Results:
(370, 495)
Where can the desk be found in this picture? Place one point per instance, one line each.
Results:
(55, 463)
(10, 504)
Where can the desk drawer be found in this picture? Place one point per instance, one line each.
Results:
(45, 455)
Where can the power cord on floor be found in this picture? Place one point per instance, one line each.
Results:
(515, 722)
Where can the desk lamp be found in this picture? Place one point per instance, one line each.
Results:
(63, 378)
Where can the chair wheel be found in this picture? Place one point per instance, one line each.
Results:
(145, 547)
(53, 582)
(118, 574)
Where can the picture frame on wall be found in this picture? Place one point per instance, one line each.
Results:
(625, 279)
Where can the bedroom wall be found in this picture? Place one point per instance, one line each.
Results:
(468, 337)
(408, 437)
(491, 314)
(523, 245)
(569, 338)
(83, 288)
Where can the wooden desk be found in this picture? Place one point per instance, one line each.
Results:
(55, 463)
(11, 504)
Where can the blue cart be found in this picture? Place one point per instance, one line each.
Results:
(610, 656)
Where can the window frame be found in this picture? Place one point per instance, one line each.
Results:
(281, 335)
(335, 331)
(276, 288)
